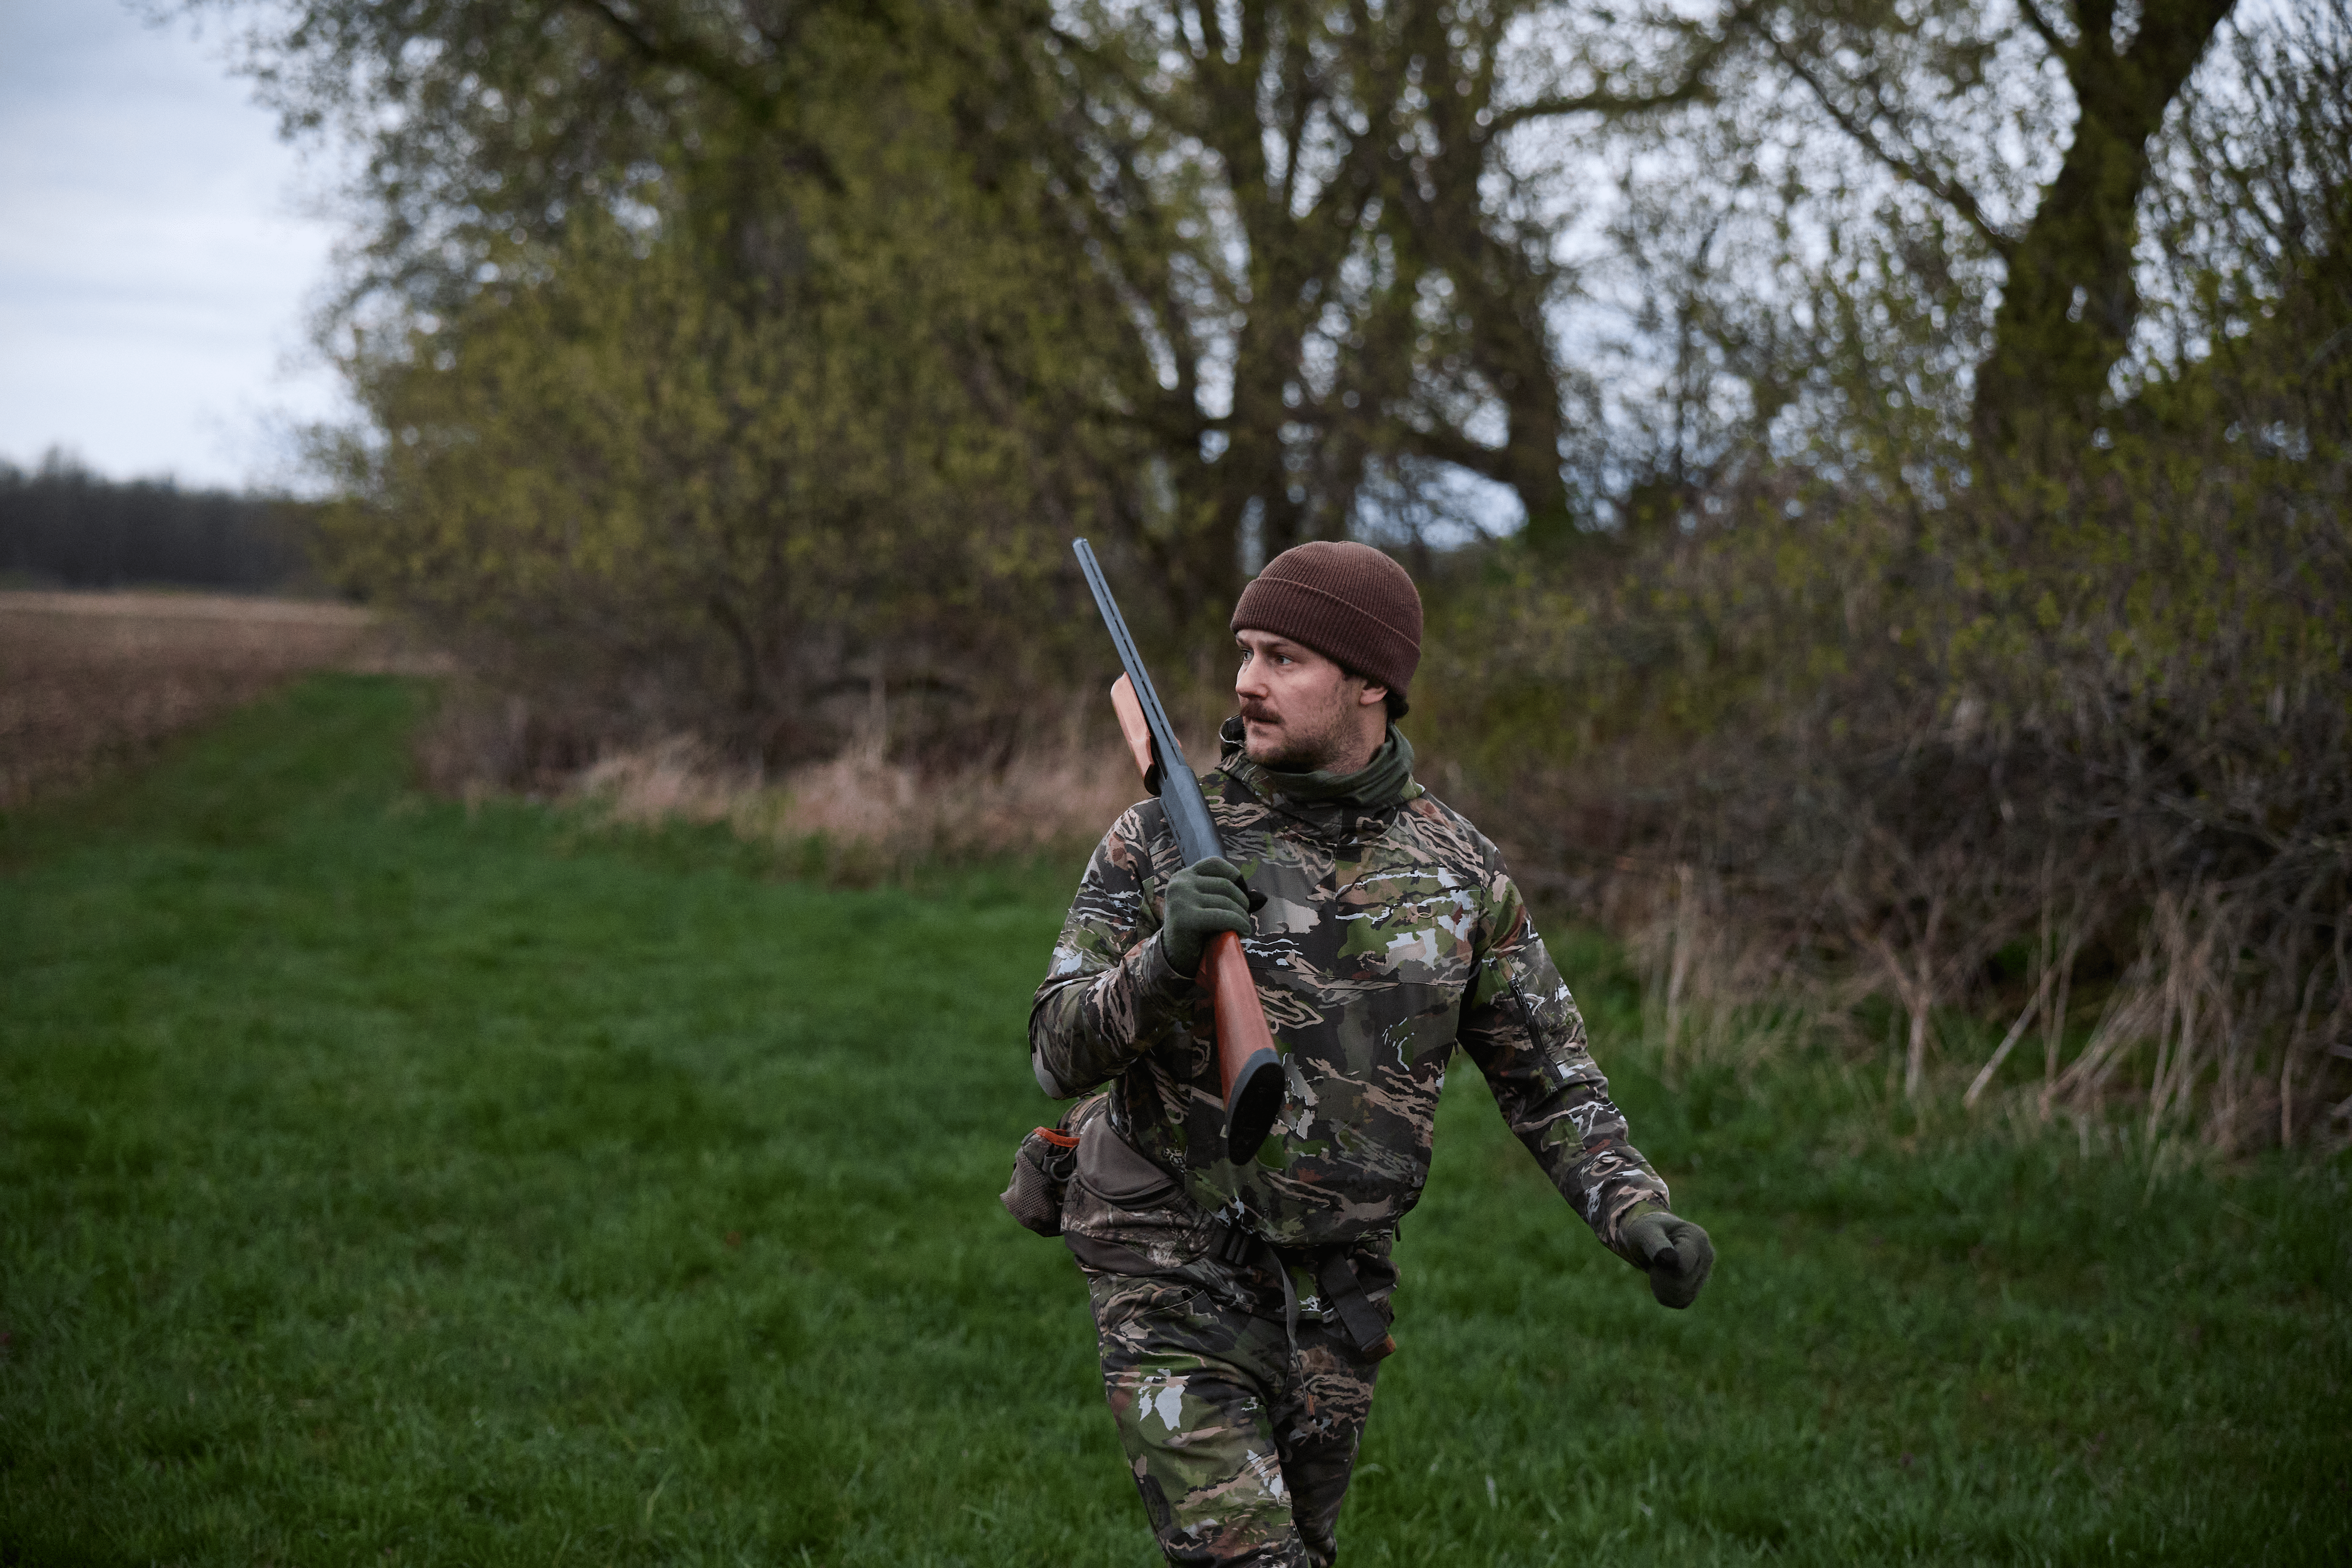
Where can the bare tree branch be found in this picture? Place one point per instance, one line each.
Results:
(1942, 186)
(759, 97)
(1451, 446)
(1695, 84)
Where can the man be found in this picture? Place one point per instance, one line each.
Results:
(1242, 1311)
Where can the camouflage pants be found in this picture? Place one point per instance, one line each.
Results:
(1240, 1450)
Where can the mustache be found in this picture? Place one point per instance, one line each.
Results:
(1260, 713)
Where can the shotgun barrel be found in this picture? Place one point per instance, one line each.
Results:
(1249, 1068)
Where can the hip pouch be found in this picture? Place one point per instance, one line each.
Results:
(1041, 1175)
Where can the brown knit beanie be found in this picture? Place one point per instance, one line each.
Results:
(1346, 601)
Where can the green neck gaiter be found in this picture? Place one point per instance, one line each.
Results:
(1384, 781)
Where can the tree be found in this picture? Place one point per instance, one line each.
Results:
(1294, 229)
(1317, 220)
(698, 364)
(2252, 222)
(694, 514)
(1895, 76)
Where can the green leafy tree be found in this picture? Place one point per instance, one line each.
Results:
(635, 487)
(703, 369)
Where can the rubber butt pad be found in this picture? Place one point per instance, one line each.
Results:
(1250, 1109)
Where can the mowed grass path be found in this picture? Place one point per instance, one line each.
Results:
(385, 1181)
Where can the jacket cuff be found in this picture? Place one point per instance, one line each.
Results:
(1616, 1239)
(1160, 978)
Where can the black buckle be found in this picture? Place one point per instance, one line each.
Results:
(1336, 1278)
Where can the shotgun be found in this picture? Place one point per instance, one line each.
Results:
(1249, 1070)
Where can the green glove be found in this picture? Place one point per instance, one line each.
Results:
(1203, 900)
(1677, 1254)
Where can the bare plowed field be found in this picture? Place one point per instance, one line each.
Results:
(94, 680)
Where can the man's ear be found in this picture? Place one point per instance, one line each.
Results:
(1373, 692)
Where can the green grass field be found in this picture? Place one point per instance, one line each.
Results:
(385, 1181)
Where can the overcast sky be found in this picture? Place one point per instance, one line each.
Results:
(156, 266)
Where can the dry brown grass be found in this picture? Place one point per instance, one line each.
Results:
(876, 813)
(92, 681)
(868, 812)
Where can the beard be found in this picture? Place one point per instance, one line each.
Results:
(1299, 744)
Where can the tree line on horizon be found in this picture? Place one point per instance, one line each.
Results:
(1877, 469)
(64, 525)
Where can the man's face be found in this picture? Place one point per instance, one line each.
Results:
(1300, 711)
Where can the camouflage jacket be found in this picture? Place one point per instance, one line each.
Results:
(1390, 934)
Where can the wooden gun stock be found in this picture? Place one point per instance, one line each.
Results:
(1249, 1070)
(1136, 729)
